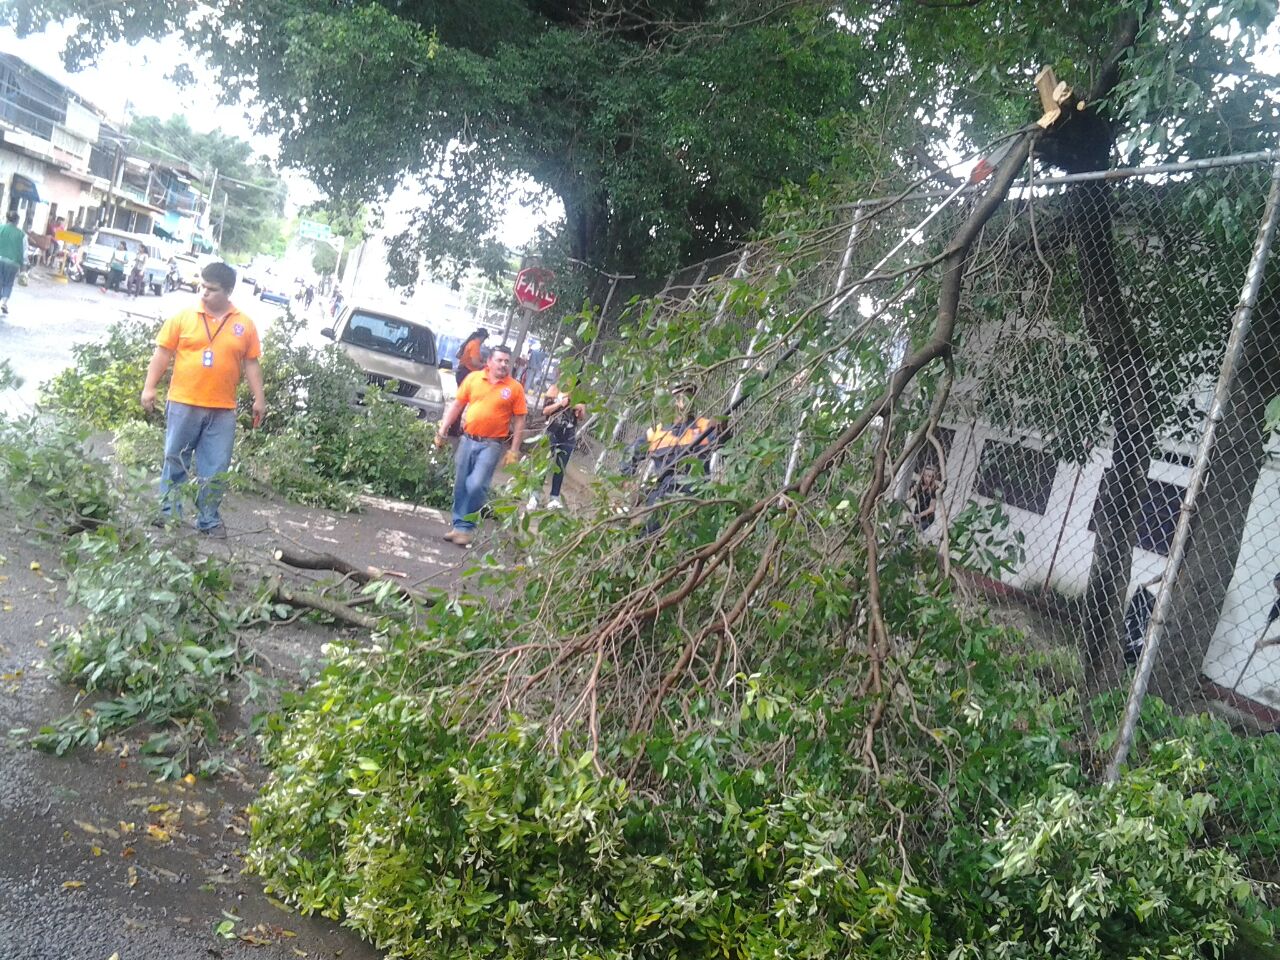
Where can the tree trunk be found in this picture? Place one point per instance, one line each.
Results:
(1217, 527)
(1129, 390)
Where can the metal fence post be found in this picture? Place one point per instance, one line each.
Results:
(1182, 533)
(793, 458)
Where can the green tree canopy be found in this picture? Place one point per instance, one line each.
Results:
(662, 126)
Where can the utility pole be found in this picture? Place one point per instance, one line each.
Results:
(208, 207)
(223, 219)
(107, 207)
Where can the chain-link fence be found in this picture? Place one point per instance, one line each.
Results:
(1069, 387)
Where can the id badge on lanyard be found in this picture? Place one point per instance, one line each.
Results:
(206, 358)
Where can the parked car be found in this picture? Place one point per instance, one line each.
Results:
(392, 348)
(98, 250)
(272, 290)
(189, 267)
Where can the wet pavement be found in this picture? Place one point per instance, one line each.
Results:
(99, 860)
(48, 317)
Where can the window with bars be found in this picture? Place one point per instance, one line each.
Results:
(1019, 476)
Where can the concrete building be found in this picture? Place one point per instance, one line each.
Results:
(61, 158)
(49, 134)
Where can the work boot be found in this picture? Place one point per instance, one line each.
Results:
(215, 533)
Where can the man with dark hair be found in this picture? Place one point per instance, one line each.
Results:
(494, 422)
(13, 256)
(211, 345)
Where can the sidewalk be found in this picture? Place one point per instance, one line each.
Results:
(387, 534)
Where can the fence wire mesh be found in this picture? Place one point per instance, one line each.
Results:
(1042, 406)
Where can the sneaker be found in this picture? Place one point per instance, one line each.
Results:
(555, 504)
(533, 503)
(461, 539)
(215, 533)
(452, 534)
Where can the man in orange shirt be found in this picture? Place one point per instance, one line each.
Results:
(495, 412)
(210, 345)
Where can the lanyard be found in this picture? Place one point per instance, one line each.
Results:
(214, 336)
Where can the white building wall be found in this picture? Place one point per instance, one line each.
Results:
(1059, 551)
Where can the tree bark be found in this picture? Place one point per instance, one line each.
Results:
(1084, 144)
(1217, 528)
(1129, 389)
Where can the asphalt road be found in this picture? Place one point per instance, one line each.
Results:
(47, 318)
(82, 874)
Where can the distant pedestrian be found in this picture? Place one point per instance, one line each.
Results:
(137, 285)
(563, 417)
(310, 295)
(924, 498)
(115, 269)
(470, 356)
(677, 452)
(211, 346)
(13, 255)
(494, 422)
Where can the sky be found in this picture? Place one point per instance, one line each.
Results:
(133, 81)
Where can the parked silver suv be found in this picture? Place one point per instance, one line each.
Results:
(388, 346)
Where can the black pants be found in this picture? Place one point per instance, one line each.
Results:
(561, 451)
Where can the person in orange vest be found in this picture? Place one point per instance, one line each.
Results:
(675, 451)
(471, 355)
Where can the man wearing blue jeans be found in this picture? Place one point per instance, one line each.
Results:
(13, 257)
(211, 346)
(495, 411)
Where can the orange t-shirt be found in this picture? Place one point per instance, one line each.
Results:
(471, 357)
(490, 406)
(208, 355)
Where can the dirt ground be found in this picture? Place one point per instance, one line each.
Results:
(100, 861)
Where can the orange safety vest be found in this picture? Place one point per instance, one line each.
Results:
(663, 438)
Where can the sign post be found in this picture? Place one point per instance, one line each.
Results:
(533, 293)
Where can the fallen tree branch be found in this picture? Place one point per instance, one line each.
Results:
(357, 574)
(310, 601)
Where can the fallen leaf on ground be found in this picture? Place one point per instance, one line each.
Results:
(133, 876)
(96, 850)
(73, 885)
(87, 827)
(157, 833)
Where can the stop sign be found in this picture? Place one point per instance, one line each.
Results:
(533, 288)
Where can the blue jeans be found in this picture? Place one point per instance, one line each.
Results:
(8, 274)
(208, 433)
(477, 460)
